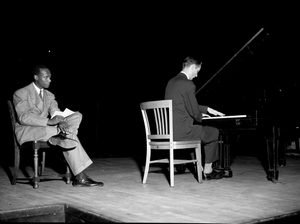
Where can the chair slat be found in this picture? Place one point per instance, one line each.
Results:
(157, 121)
(162, 120)
(166, 120)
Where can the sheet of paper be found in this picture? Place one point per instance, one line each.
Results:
(64, 113)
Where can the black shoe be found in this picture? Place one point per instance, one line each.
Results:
(86, 182)
(62, 142)
(214, 175)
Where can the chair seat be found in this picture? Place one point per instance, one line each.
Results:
(176, 144)
(43, 144)
(39, 144)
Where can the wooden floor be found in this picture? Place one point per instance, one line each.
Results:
(247, 197)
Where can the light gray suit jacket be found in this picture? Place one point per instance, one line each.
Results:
(32, 113)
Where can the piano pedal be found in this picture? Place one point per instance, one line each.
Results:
(281, 162)
(227, 172)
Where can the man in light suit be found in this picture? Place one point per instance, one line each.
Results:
(34, 104)
(181, 90)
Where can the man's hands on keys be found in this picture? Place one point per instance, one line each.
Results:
(214, 112)
(205, 115)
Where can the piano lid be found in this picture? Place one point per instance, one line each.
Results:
(246, 82)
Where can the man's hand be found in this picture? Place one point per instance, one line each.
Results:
(205, 115)
(55, 120)
(214, 112)
(63, 126)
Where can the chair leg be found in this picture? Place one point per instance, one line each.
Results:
(16, 167)
(68, 175)
(41, 166)
(43, 163)
(171, 168)
(199, 163)
(146, 170)
(36, 177)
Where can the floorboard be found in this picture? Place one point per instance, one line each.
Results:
(247, 197)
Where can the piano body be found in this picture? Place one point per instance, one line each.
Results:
(247, 85)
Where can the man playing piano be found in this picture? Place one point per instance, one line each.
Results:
(181, 90)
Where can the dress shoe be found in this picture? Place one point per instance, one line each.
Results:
(86, 182)
(66, 135)
(62, 141)
(214, 175)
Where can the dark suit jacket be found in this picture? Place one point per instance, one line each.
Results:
(185, 108)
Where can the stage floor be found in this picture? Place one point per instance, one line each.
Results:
(247, 197)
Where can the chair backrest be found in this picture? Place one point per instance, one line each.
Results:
(158, 119)
(12, 114)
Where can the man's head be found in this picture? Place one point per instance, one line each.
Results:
(42, 76)
(191, 67)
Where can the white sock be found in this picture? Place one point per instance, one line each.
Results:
(208, 168)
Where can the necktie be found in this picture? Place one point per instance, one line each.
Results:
(41, 95)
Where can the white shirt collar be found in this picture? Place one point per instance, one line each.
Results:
(186, 75)
(38, 89)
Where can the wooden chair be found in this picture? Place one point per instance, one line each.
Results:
(158, 122)
(36, 146)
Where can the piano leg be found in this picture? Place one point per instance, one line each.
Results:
(282, 148)
(224, 155)
(272, 154)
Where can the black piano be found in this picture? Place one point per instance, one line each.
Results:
(250, 84)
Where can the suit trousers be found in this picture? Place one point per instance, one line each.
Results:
(77, 158)
(209, 137)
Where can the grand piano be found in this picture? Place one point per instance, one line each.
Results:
(248, 85)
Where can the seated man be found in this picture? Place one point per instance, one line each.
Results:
(34, 104)
(181, 90)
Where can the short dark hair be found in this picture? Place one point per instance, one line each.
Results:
(37, 69)
(188, 61)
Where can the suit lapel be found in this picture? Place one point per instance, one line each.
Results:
(36, 98)
(46, 101)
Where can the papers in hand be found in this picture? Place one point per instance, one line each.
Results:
(64, 113)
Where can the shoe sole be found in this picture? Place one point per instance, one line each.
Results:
(55, 142)
(213, 178)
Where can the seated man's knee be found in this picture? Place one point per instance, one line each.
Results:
(217, 132)
(77, 116)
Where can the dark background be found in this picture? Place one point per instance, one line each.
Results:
(106, 60)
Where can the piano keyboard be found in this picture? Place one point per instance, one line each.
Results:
(224, 117)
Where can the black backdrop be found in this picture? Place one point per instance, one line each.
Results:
(105, 69)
